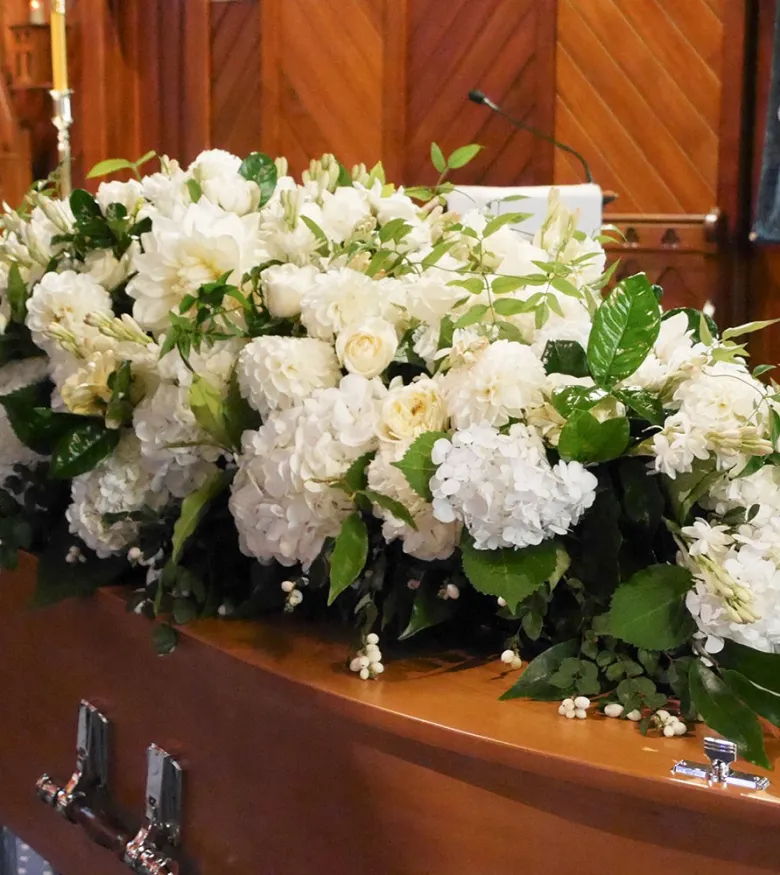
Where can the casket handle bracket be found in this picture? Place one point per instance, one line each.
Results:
(722, 753)
(146, 853)
(89, 781)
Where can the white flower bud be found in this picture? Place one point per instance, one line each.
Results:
(508, 657)
(372, 638)
(562, 711)
(364, 674)
(570, 715)
(582, 702)
(288, 586)
(614, 709)
(371, 648)
(664, 716)
(634, 716)
(134, 554)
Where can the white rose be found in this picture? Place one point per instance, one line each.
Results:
(343, 211)
(367, 349)
(285, 285)
(129, 194)
(410, 411)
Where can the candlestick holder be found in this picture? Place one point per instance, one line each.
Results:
(62, 120)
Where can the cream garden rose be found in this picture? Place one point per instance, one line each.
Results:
(86, 392)
(367, 349)
(410, 411)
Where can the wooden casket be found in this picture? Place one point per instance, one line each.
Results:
(294, 767)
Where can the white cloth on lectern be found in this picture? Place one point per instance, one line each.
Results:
(586, 198)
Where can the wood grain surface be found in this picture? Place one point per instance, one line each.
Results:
(294, 767)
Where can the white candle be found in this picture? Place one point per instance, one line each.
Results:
(59, 46)
(37, 12)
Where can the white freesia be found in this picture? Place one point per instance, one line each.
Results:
(368, 347)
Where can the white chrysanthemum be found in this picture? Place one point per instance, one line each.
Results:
(282, 503)
(276, 373)
(63, 301)
(431, 539)
(182, 254)
(409, 411)
(15, 376)
(164, 421)
(502, 487)
(119, 484)
(505, 380)
(337, 299)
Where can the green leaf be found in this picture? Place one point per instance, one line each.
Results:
(196, 192)
(261, 169)
(356, 478)
(208, 407)
(508, 573)
(446, 332)
(462, 156)
(394, 231)
(565, 357)
(110, 165)
(722, 711)
(760, 668)
(642, 499)
(473, 285)
(748, 328)
(562, 285)
(349, 555)
(184, 611)
(508, 331)
(164, 639)
(17, 294)
(512, 306)
(760, 701)
(585, 439)
(568, 399)
(416, 464)
(84, 206)
(473, 316)
(695, 319)
(427, 610)
(81, 449)
(760, 370)
(643, 403)
(649, 610)
(625, 327)
(391, 505)
(534, 682)
(437, 158)
(193, 509)
(33, 421)
(686, 489)
(498, 222)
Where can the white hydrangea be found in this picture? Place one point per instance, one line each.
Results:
(119, 484)
(431, 539)
(282, 501)
(63, 301)
(276, 373)
(15, 376)
(504, 490)
(505, 381)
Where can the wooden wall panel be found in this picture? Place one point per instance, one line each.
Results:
(235, 76)
(639, 93)
(506, 49)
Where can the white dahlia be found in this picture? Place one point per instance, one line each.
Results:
(339, 298)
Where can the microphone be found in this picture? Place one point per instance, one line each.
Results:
(482, 99)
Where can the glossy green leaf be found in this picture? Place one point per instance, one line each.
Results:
(507, 573)
(758, 667)
(534, 682)
(585, 439)
(416, 464)
(261, 169)
(33, 421)
(625, 327)
(762, 702)
(722, 711)
(349, 555)
(390, 504)
(110, 165)
(462, 156)
(643, 403)
(565, 357)
(649, 610)
(82, 448)
(193, 508)
(428, 610)
(568, 399)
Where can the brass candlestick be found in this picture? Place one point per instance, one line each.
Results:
(62, 120)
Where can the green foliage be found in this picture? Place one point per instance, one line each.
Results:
(416, 464)
(391, 505)
(585, 439)
(760, 701)
(535, 681)
(193, 509)
(261, 169)
(509, 574)
(649, 610)
(428, 610)
(33, 421)
(16, 294)
(115, 165)
(208, 408)
(625, 327)
(759, 668)
(565, 357)
(349, 555)
(642, 403)
(722, 711)
(164, 638)
(82, 449)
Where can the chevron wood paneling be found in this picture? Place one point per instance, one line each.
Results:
(235, 76)
(639, 93)
(506, 49)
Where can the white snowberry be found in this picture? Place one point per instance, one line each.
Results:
(372, 638)
(582, 702)
(288, 585)
(635, 716)
(614, 709)
(508, 657)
